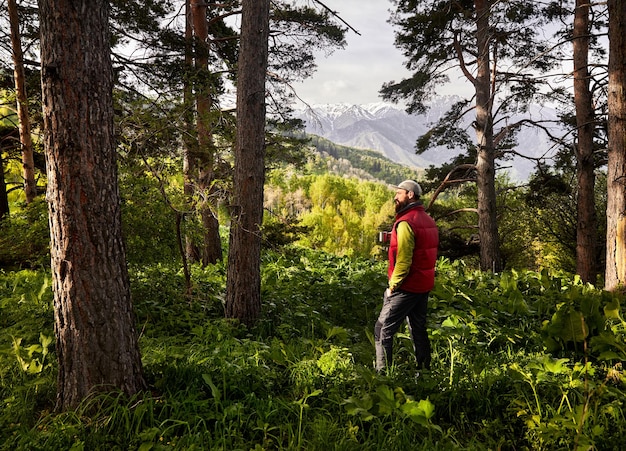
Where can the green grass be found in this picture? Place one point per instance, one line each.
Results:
(511, 369)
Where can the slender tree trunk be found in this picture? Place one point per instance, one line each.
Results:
(212, 249)
(586, 225)
(4, 198)
(96, 342)
(28, 162)
(243, 290)
(615, 277)
(485, 166)
(190, 137)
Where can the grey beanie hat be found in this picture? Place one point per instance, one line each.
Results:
(411, 185)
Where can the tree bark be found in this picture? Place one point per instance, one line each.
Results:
(615, 277)
(190, 137)
(212, 246)
(243, 291)
(28, 161)
(586, 225)
(485, 167)
(96, 341)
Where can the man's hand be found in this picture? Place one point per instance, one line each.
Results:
(388, 292)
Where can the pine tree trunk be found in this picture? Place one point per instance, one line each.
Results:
(96, 342)
(485, 166)
(28, 161)
(190, 138)
(243, 291)
(615, 277)
(207, 207)
(586, 225)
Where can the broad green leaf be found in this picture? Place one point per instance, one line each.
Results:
(214, 390)
(413, 410)
(556, 366)
(387, 400)
(450, 321)
(427, 407)
(612, 310)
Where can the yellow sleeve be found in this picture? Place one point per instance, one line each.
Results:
(404, 257)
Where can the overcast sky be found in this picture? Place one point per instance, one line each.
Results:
(356, 73)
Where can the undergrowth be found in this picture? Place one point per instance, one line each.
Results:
(521, 360)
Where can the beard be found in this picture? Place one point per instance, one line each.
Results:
(401, 204)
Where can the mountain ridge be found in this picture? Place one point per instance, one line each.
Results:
(387, 128)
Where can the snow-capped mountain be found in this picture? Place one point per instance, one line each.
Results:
(388, 129)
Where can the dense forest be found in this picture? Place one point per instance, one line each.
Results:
(181, 271)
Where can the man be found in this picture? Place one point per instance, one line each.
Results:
(411, 273)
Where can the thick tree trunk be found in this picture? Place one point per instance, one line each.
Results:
(28, 161)
(485, 166)
(615, 277)
(243, 291)
(96, 342)
(586, 225)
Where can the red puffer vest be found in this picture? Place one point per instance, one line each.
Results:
(421, 277)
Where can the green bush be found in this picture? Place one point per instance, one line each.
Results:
(25, 238)
(303, 378)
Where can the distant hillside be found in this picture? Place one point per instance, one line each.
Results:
(362, 163)
(390, 131)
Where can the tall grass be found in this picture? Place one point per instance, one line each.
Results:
(509, 372)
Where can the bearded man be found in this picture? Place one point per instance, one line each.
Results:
(411, 274)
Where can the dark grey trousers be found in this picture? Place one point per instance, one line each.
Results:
(397, 307)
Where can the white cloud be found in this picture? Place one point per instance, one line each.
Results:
(356, 74)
